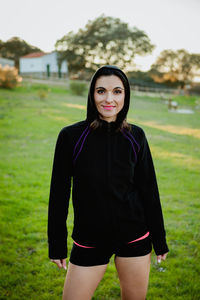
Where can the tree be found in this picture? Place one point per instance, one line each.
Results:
(105, 40)
(175, 66)
(14, 48)
(141, 78)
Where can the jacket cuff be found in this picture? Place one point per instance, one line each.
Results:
(160, 247)
(57, 249)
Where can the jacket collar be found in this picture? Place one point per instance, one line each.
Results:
(108, 126)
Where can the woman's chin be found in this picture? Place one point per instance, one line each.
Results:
(107, 117)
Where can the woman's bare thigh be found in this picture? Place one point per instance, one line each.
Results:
(134, 276)
(81, 282)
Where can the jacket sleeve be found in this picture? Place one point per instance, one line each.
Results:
(145, 178)
(59, 196)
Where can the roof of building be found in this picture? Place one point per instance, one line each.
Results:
(34, 54)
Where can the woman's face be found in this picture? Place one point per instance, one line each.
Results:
(109, 94)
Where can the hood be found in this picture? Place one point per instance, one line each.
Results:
(92, 112)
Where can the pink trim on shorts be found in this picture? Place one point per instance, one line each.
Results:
(141, 238)
(82, 245)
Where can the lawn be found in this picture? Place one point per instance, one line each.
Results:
(28, 131)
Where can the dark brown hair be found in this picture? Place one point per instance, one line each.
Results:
(97, 124)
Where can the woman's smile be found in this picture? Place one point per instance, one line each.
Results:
(108, 107)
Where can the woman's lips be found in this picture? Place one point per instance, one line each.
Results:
(108, 107)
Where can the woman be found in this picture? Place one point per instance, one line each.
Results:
(115, 196)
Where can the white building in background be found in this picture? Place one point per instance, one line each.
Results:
(42, 65)
(7, 62)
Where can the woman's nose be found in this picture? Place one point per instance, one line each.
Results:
(109, 97)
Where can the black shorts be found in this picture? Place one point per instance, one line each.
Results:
(101, 255)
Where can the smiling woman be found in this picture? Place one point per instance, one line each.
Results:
(115, 196)
(109, 97)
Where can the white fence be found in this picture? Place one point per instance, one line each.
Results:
(153, 90)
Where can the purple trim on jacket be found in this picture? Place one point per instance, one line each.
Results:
(79, 139)
(86, 134)
(134, 140)
(131, 144)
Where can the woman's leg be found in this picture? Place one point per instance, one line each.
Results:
(81, 282)
(134, 276)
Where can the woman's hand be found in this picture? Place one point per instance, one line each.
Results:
(161, 257)
(61, 263)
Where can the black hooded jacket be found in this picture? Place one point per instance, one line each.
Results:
(114, 192)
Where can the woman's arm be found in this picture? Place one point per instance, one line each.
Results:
(145, 178)
(59, 197)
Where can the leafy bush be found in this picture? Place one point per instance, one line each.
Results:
(42, 94)
(77, 87)
(9, 77)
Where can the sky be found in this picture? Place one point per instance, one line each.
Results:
(170, 24)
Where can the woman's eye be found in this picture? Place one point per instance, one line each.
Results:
(100, 91)
(117, 91)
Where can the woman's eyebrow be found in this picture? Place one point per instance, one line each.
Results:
(117, 87)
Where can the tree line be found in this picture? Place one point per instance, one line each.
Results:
(109, 40)
(15, 48)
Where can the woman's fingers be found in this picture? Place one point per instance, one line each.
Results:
(161, 257)
(64, 263)
(57, 262)
(61, 263)
(164, 256)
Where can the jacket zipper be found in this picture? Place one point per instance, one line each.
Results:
(108, 154)
(109, 178)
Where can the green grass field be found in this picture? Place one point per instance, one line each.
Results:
(28, 131)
